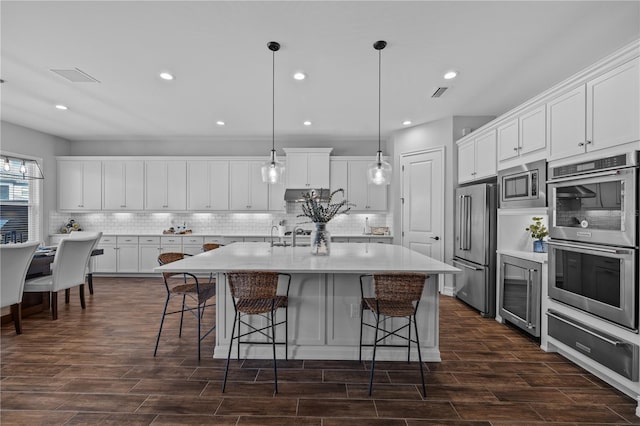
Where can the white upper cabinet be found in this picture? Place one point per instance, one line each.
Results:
(613, 107)
(308, 168)
(166, 185)
(339, 178)
(276, 197)
(477, 157)
(79, 185)
(208, 185)
(567, 123)
(522, 138)
(123, 185)
(599, 114)
(361, 194)
(246, 189)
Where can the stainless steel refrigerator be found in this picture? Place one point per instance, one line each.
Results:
(475, 246)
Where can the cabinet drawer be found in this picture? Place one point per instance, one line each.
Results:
(108, 240)
(610, 351)
(149, 240)
(170, 241)
(192, 240)
(128, 241)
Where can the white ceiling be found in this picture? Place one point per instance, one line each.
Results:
(506, 52)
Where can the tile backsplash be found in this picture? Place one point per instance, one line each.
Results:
(209, 223)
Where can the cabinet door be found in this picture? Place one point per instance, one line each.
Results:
(358, 185)
(377, 197)
(566, 123)
(613, 107)
(166, 185)
(239, 185)
(127, 258)
(208, 185)
(486, 155)
(276, 197)
(148, 257)
(258, 190)
(508, 143)
(297, 170)
(123, 187)
(318, 170)
(339, 178)
(106, 262)
(79, 185)
(198, 186)
(466, 161)
(533, 131)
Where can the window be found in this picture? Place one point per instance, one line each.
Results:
(20, 200)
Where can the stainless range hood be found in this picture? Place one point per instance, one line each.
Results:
(293, 195)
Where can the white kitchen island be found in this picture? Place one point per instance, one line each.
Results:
(324, 296)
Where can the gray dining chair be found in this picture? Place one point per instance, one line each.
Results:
(14, 264)
(68, 269)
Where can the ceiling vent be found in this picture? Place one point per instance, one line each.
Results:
(75, 76)
(439, 92)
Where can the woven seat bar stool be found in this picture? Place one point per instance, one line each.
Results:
(396, 295)
(255, 293)
(186, 285)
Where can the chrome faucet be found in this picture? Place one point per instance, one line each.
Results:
(271, 233)
(293, 235)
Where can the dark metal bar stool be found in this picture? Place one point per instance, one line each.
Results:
(255, 293)
(396, 295)
(188, 286)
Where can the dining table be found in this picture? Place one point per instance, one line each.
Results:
(40, 265)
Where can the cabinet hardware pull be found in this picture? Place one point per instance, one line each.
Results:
(123, 205)
(588, 142)
(586, 330)
(516, 148)
(580, 143)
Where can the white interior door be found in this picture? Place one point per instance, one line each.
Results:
(422, 209)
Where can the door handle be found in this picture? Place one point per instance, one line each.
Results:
(435, 238)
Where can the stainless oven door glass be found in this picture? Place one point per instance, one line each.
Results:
(600, 280)
(596, 209)
(520, 293)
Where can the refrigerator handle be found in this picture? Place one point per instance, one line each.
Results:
(467, 223)
(460, 229)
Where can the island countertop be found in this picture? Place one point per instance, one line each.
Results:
(344, 258)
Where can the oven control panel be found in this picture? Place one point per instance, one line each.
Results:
(616, 161)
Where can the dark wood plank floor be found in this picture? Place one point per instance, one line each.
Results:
(97, 367)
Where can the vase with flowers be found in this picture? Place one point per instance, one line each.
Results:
(538, 232)
(320, 213)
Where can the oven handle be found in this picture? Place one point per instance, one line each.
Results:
(593, 248)
(585, 176)
(586, 330)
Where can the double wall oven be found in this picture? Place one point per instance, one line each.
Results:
(593, 252)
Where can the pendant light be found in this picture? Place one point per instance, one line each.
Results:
(379, 172)
(273, 170)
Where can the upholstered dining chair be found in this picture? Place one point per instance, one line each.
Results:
(396, 295)
(75, 234)
(68, 269)
(255, 293)
(14, 264)
(188, 286)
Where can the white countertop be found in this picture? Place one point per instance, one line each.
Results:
(528, 255)
(213, 234)
(344, 258)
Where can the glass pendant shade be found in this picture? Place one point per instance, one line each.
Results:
(379, 172)
(272, 170)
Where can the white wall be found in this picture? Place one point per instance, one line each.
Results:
(435, 134)
(29, 142)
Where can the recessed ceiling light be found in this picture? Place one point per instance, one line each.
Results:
(299, 75)
(220, 123)
(406, 122)
(307, 123)
(450, 75)
(62, 107)
(166, 76)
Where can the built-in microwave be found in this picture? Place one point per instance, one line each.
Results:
(523, 186)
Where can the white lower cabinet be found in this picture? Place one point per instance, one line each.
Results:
(171, 244)
(127, 254)
(148, 251)
(192, 245)
(107, 261)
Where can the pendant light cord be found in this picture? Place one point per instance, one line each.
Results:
(379, 94)
(273, 100)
